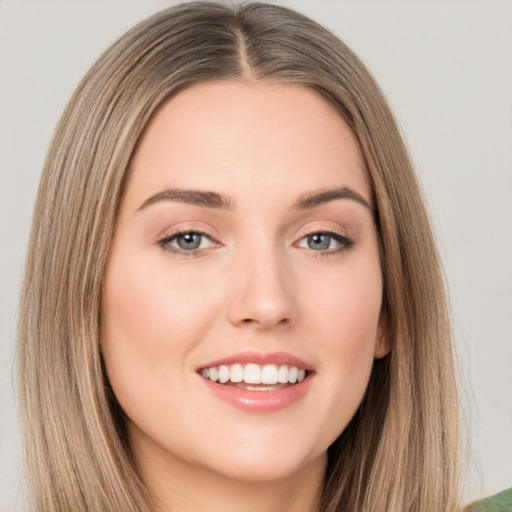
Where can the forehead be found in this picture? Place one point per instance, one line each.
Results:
(246, 137)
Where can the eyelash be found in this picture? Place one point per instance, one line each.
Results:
(175, 251)
(344, 242)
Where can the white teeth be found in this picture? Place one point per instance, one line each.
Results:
(269, 374)
(282, 374)
(252, 374)
(213, 374)
(237, 373)
(255, 374)
(223, 374)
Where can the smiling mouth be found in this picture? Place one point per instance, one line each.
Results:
(255, 377)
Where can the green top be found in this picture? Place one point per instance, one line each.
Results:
(501, 502)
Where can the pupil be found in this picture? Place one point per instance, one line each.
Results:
(319, 241)
(189, 241)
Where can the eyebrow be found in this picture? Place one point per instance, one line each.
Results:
(191, 196)
(209, 199)
(318, 198)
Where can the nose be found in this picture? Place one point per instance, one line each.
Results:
(262, 291)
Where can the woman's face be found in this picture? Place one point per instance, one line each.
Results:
(245, 250)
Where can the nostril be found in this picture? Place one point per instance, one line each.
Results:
(250, 321)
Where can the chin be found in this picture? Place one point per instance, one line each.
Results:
(267, 469)
(263, 459)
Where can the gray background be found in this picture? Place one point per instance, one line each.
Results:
(446, 67)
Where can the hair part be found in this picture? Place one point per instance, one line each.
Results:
(400, 451)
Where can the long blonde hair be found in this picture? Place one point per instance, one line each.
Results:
(400, 451)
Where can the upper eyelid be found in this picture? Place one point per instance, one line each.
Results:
(183, 230)
(327, 231)
(191, 229)
(179, 232)
(335, 225)
(339, 237)
(312, 231)
(176, 234)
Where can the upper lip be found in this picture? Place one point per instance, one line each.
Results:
(260, 358)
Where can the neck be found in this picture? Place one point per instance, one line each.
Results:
(180, 487)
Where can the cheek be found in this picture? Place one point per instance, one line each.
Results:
(348, 310)
(152, 319)
(347, 322)
(148, 305)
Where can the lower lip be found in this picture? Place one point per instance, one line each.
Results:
(260, 401)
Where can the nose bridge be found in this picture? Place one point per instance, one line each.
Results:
(262, 286)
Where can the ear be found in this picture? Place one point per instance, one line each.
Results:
(382, 346)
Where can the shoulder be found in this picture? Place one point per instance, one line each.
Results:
(501, 502)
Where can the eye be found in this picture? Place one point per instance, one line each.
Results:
(186, 242)
(325, 242)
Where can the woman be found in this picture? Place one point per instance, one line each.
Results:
(227, 195)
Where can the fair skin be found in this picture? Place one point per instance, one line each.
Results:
(261, 277)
